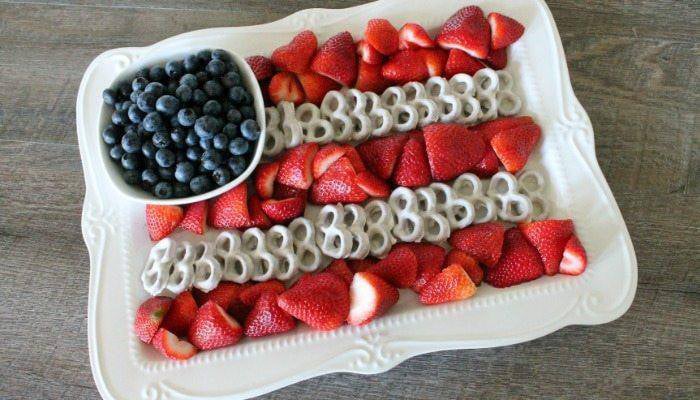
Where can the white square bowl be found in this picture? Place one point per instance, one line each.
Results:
(114, 230)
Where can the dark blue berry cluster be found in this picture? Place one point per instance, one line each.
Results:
(184, 128)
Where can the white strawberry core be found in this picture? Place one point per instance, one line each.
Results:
(173, 345)
(363, 300)
(571, 264)
(230, 321)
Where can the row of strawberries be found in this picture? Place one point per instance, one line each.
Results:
(466, 43)
(358, 291)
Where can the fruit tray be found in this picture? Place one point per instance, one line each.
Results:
(112, 225)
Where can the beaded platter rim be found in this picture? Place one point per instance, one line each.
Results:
(123, 368)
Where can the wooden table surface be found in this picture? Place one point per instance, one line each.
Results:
(634, 66)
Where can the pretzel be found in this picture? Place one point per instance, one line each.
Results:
(237, 264)
(410, 226)
(531, 183)
(207, 270)
(157, 270)
(278, 241)
(274, 137)
(314, 128)
(468, 186)
(512, 206)
(378, 226)
(293, 132)
(265, 263)
(332, 235)
(303, 237)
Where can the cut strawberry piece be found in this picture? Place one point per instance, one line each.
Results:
(513, 146)
(357, 164)
(284, 192)
(182, 311)
(459, 62)
(149, 317)
(295, 166)
(372, 185)
(195, 217)
(283, 211)
(161, 221)
(435, 60)
(267, 318)
(468, 263)
(481, 241)
(265, 175)
(230, 210)
(296, 56)
(325, 157)
(258, 218)
(430, 258)
(225, 294)
(250, 295)
(468, 31)
(341, 269)
(413, 170)
(574, 261)
(213, 328)
(406, 66)
(519, 262)
(361, 265)
(337, 60)
(368, 54)
(169, 345)
(262, 67)
(321, 300)
(504, 30)
(370, 78)
(370, 297)
(451, 284)
(399, 268)
(338, 185)
(489, 129)
(488, 165)
(549, 238)
(382, 35)
(284, 86)
(497, 59)
(316, 86)
(452, 150)
(380, 155)
(414, 36)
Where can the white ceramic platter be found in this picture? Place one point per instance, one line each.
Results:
(117, 241)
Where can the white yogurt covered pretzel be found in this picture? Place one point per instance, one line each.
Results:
(332, 235)
(265, 264)
(161, 258)
(437, 227)
(274, 137)
(486, 81)
(379, 223)
(459, 212)
(532, 184)
(237, 264)
(382, 122)
(207, 269)
(279, 242)
(335, 108)
(417, 96)
(314, 128)
(355, 219)
(468, 186)
(410, 226)
(304, 240)
(405, 116)
(512, 206)
(449, 105)
(182, 274)
(291, 127)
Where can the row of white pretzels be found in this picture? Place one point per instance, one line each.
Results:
(354, 116)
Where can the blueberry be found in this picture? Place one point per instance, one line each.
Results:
(166, 174)
(212, 107)
(150, 164)
(116, 152)
(155, 88)
(192, 139)
(124, 89)
(237, 95)
(238, 146)
(174, 123)
(174, 69)
(134, 96)
(206, 144)
(118, 106)
(133, 128)
(199, 96)
(231, 79)
(247, 112)
(184, 93)
(120, 118)
(148, 149)
(212, 88)
(220, 141)
(111, 134)
(250, 130)
(172, 87)
(233, 115)
(142, 73)
(191, 63)
(131, 143)
(157, 73)
(109, 96)
(131, 177)
(247, 99)
(142, 131)
(237, 165)
(189, 80)
(207, 126)
(178, 135)
(139, 83)
(231, 66)
(130, 161)
(152, 122)
(202, 77)
(165, 158)
(147, 101)
(204, 56)
(184, 172)
(186, 117)
(163, 190)
(180, 156)
(220, 54)
(180, 190)
(168, 104)
(161, 140)
(149, 177)
(200, 184)
(194, 153)
(135, 114)
(231, 130)
(216, 68)
(211, 159)
(221, 176)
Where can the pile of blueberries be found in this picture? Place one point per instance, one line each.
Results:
(182, 129)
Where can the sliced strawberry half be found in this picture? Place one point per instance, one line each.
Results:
(504, 30)
(519, 262)
(267, 318)
(405, 66)
(361, 265)
(285, 86)
(213, 328)
(296, 56)
(497, 59)
(295, 166)
(380, 154)
(399, 268)
(338, 185)
(265, 175)
(549, 238)
(414, 36)
(372, 185)
(169, 345)
(574, 261)
(284, 192)
(488, 165)
(337, 60)
(482, 241)
(357, 164)
(369, 54)
(412, 170)
(382, 35)
(459, 62)
(316, 86)
(513, 146)
(195, 217)
(251, 294)
(258, 218)
(321, 300)
(467, 30)
(452, 150)
(325, 157)
(435, 60)
(262, 67)
(149, 317)
(230, 210)
(430, 258)
(469, 263)
(489, 129)
(451, 284)
(341, 269)
(370, 297)
(370, 78)
(161, 221)
(181, 314)
(283, 211)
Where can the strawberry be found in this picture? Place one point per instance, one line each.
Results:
(195, 217)
(258, 218)
(325, 157)
(574, 261)
(489, 129)
(370, 297)
(149, 317)
(452, 150)
(405, 66)
(338, 185)
(267, 318)
(284, 192)
(295, 166)
(321, 300)
(337, 60)
(461, 62)
(468, 31)
(262, 67)
(513, 146)
(519, 262)
(283, 211)
(182, 311)
(412, 170)
(265, 175)
(399, 268)
(357, 164)
(316, 86)
(414, 36)
(549, 238)
(250, 294)
(296, 56)
(285, 86)
(435, 60)
(370, 78)
(488, 165)
(481, 241)
(504, 30)
(161, 221)
(497, 59)
(237, 309)
(381, 35)
(451, 284)
(213, 328)
(369, 54)
(468, 263)
(361, 265)
(380, 154)
(430, 258)
(372, 185)
(230, 210)
(341, 269)
(225, 294)
(169, 345)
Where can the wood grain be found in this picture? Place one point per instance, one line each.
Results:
(634, 67)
